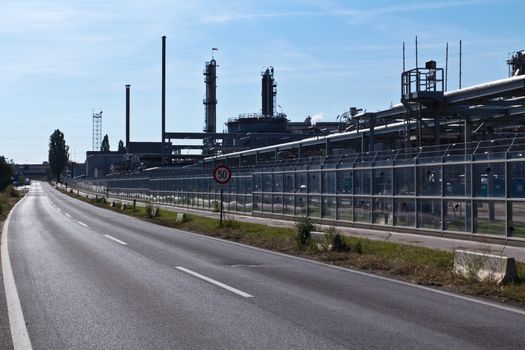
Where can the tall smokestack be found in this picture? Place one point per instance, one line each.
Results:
(210, 103)
(127, 117)
(269, 91)
(211, 96)
(163, 94)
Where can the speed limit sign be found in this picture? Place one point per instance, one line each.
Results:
(222, 174)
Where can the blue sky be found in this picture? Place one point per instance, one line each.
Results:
(61, 59)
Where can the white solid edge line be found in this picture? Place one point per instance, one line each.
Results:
(214, 282)
(362, 273)
(82, 224)
(17, 323)
(115, 239)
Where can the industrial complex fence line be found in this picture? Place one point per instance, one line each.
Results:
(478, 194)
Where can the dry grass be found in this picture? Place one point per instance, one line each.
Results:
(8, 199)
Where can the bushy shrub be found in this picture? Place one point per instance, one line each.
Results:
(339, 244)
(304, 227)
(12, 191)
(2, 203)
(152, 211)
(149, 210)
(358, 247)
(5, 173)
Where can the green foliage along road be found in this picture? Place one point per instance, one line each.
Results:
(58, 154)
(5, 173)
(104, 147)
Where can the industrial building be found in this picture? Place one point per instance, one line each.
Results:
(248, 130)
(440, 162)
(32, 171)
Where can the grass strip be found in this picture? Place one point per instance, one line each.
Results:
(418, 265)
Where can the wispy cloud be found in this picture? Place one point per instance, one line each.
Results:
(229, 17)
(333, 9)
(81, 38)
(419, 6)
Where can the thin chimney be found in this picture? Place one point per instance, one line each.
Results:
(127, 117)
(163, 95)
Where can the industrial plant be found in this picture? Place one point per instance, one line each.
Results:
(445, 162)
(245, 132)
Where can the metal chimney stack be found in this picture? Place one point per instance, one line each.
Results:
(127, 117)
(211, 97)
(269, 91)
(163, 97)
(210, 105)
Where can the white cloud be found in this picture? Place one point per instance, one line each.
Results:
(333, 9)
(317, 117)
(229, 17)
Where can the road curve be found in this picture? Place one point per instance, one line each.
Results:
(92, 278)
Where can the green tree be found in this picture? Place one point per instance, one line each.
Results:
(6, 172)
(104, 147)
(121, 148)
(58, 154)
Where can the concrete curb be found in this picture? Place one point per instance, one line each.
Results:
(500, 269)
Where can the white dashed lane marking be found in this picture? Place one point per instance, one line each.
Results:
(115, 239)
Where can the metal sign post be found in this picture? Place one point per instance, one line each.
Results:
(222, 192)
(222, 175)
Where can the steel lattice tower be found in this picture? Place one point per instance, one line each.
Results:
(97, 130)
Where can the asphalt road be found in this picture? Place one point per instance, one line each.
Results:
(91, 278)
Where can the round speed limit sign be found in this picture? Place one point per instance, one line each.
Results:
(222, 174)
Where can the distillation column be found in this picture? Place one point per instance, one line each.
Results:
(210, 105)
(269, 92)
